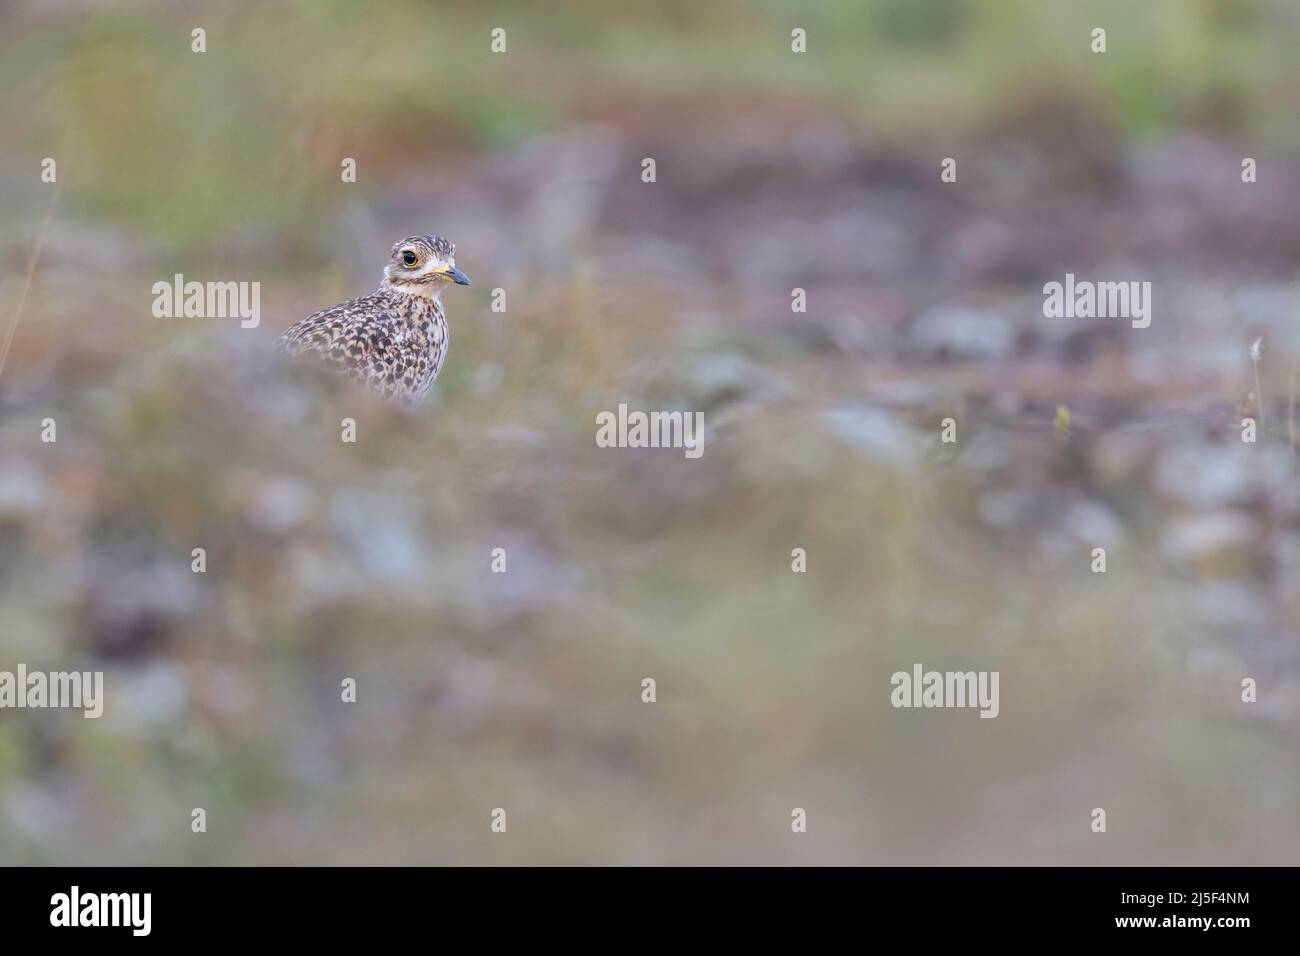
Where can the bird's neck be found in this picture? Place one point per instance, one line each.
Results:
(432, 291)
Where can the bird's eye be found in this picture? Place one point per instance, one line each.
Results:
(409, 257)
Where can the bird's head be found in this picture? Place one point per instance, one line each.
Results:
(422, 265)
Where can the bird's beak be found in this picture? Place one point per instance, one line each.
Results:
(455, 275)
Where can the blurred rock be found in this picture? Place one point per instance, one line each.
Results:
(134, 606)
(154, 695)
(1231, 605)
(1208, 475)
(535, 579)
(1008, 508)
(714, 380)
(279, 505)
(958, 332)
(381, 533)
(875, 433)
(22, 490)
(1220, 543)
(1094, 524)
(1122, 456)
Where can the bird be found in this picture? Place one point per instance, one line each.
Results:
(392, 340)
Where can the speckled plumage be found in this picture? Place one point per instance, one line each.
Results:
(393, 340)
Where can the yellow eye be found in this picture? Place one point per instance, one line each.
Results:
(409, 257)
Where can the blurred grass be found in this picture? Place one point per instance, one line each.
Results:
(189, 148)
(475, 694)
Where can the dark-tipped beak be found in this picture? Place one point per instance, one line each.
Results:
(456, 276)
